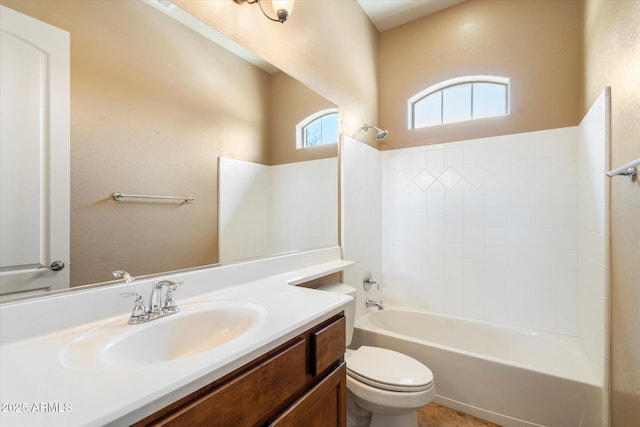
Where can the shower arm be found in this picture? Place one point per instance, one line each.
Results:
(381, 132)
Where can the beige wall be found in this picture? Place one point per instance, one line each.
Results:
(290, 102)
(537, 43)
(154, 105)
(611, 31)
(534, 42)
(150, 114)
(329, 45)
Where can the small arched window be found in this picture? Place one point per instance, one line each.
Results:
(459, 99)
(319, 128)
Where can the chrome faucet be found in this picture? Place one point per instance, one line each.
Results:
(373, 303)
(157, 308)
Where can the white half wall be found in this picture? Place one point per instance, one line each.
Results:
(361, 190)
(594, 239)
(244, 192)
(263, 210)
(304, 205)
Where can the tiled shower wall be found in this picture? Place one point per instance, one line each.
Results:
(593, 235)
(304, 205)
(512, 229)
(244, 190)
(361, 191)
(485, 229)
(264, 210)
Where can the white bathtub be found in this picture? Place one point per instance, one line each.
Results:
(507, 376)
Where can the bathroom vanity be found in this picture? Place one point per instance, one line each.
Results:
(302, 382)
(89, 367)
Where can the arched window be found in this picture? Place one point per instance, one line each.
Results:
(459, 99)
(318, 129)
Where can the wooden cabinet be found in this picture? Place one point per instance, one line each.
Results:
(301, 383)
(322, 406)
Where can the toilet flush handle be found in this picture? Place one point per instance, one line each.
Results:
(367, 281)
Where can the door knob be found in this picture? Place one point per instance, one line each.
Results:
(55, 266)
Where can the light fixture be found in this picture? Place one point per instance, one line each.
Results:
(282, 8)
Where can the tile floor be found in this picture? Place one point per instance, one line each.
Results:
(435, 415)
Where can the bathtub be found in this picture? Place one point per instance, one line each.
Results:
(508, 376)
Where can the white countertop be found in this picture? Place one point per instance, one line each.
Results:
(39, 389)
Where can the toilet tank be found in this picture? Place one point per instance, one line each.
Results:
(350, 309)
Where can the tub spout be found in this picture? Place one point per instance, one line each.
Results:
(373, 303)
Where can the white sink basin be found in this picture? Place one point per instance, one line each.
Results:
(196, 328)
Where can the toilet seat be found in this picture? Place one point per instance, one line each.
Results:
(388, 370)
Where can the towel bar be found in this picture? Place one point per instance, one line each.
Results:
(628, 170)
(118, 196)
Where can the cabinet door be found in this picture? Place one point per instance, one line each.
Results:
(324, 405)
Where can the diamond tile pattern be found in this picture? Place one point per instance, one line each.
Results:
(487, 251)
(449, 178)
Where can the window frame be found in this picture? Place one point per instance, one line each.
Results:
(304, 123)
(457, 81)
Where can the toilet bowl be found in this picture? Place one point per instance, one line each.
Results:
(390, 385)
(385, 388)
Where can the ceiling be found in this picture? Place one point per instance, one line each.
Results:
(386, 14)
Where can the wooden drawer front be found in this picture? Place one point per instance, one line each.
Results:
(327, 346)
(251, 398)
(325, 405)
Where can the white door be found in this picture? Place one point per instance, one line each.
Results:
(34, 155)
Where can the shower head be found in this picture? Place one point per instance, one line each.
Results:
(381, 133)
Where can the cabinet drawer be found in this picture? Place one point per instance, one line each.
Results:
(322, 406)
(327, 346)
(248, 399)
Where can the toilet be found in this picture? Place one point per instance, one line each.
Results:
(385, 388)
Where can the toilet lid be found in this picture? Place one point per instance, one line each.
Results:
(388, 369)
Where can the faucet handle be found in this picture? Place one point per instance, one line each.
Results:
(367, 281)
(169, 302)
(139, 313)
